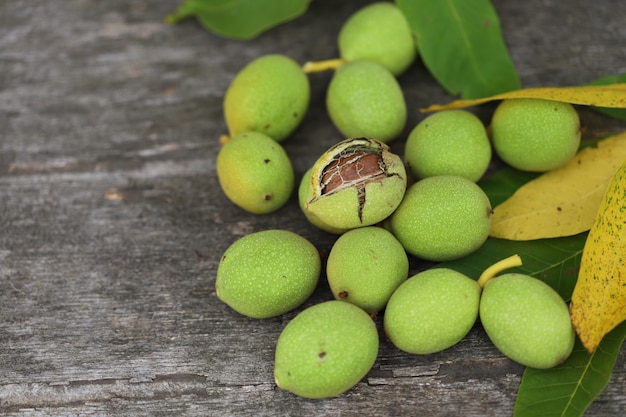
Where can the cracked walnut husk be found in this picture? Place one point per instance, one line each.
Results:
(357, 182)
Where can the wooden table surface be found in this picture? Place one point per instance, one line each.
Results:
(112, 221)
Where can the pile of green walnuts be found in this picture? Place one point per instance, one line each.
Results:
(383, 208)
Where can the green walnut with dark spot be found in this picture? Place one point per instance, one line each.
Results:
(255, 172)
(269, 95)
(358, 182)
(365, 266)
(325, 350)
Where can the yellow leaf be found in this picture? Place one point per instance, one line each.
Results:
(562, 202)
(599, 298)
(612, 95)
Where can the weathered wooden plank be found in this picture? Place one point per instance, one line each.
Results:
(112, 221)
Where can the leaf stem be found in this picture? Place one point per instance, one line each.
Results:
(319, 66)
(506, 263)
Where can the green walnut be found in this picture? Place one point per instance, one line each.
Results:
(255, 172)
(269, 95)
(268, 273)
(534, 134)
(365, 100)
(325, 350)
(432, 311)
(365, 266)
(442, 218)
(358, 182)
(527, 320)
(450, 142)
(380, 33)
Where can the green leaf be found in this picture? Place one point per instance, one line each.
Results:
(611, 79)
(239, 19)
(554, 261)
(461, 44)
(502, 184)
(568, 389)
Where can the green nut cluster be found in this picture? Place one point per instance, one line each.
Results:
(359, 190)
(526, 319)
(364, 98)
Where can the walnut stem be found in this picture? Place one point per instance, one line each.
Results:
(319, 66)
(506, 263)
(223, 139)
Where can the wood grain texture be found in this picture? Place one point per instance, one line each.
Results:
(112, 221)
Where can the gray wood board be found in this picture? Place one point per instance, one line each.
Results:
(112, 220)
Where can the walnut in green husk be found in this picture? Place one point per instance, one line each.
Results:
(358, 182)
